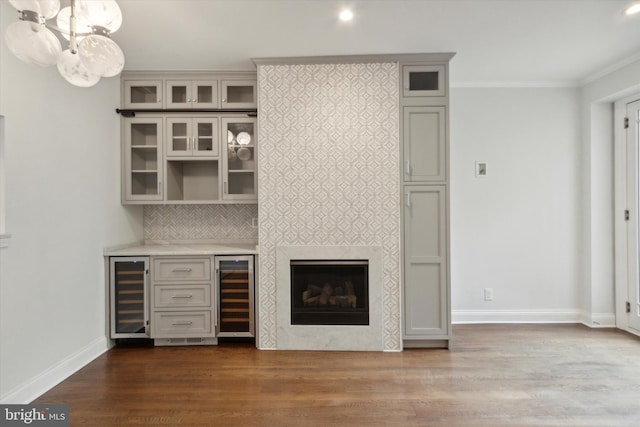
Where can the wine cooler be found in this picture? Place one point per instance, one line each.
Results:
(129, 290)
(235, 287)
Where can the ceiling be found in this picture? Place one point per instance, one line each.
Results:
(495, 41)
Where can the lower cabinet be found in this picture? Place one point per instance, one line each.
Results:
(179, 300)
(426, 296)
(182, 295)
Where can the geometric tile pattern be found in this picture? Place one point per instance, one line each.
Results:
(198, 222)
(329, 172)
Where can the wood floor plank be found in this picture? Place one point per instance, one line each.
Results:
(493, 375)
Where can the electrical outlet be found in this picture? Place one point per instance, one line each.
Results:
(488, 294)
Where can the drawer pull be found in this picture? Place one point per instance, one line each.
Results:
(182, 270)
(182, 296)
(183, 323)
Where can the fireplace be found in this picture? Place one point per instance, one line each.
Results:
(329, 292)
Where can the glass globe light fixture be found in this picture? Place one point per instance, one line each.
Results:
(73, 70)
(104, 13)
(101, 55)
(33, 43)
(49, 8)
(32, 5)
(87, 24)
(63, 20)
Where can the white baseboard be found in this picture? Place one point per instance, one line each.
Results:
(593, 320)
(599, 320)
(515, 316)
(38, 385)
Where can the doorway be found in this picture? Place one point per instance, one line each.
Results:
(628, 215)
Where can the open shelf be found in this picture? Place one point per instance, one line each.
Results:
(192, 180)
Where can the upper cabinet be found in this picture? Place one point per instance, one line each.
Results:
(142, 156)
(192, 136)
(239, 166)
(424, 143)
(189, 90)
(192, 93)
(142, 94)
(238, 93)
(189, 137)
(424, 80)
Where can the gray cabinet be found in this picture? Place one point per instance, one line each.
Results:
(143, 159)
(239, 160)
(192, 136)
(425, 262)
(424, 104)
(422, 80)
(424, 143)
(238, 93)
(183, 300)
(175, 144)
(142, 93)
(192, 93)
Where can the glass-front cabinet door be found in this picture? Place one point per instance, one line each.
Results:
(192, 93)
(192, 137)
(142, 93)
(423, 80)
(206, 137)
(143, 158)
(239, 165)
(238, 93)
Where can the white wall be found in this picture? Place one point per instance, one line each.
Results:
(517, 230)
(62, 208)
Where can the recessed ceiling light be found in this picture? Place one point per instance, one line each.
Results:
(346, 15)
(634, 8)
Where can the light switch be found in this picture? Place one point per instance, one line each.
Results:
(481, 169)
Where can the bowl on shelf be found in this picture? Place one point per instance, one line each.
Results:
(244, 153)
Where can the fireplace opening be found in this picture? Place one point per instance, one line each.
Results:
(329, 292)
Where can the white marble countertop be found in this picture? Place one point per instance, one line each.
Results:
(166, 248)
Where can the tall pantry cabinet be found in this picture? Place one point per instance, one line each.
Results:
(424, 106)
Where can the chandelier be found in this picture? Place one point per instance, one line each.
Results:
(86, 25)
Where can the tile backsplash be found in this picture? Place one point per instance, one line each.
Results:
(200, 222)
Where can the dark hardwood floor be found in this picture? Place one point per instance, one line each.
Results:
(493, 375)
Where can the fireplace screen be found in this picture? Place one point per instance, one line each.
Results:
(328, 292)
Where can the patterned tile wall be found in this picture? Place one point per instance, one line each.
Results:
(200, 222)
(329, 172)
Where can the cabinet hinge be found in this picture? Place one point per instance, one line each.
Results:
(626, 214)
(628, 307)
(626, 122)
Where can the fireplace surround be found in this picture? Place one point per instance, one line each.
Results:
(367, 337)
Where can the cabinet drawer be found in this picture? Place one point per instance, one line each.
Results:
(172, 269)
(166, 296)
(182, 324)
